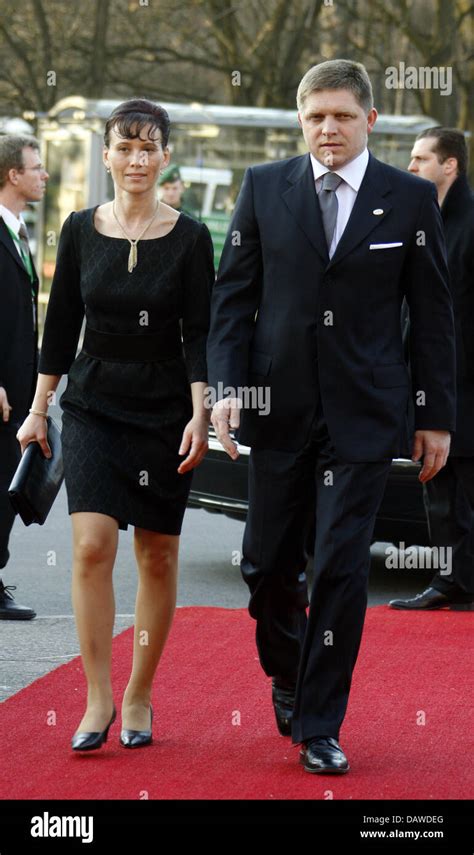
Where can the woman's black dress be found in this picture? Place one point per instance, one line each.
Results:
(128, 394)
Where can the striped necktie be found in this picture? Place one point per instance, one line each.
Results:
(25, 250)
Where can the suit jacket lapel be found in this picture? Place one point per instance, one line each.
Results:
(371, 197)
(7, 241)
(301, 199)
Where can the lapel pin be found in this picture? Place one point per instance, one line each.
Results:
(378, 211)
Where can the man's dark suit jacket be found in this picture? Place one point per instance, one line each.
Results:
(287, 317)
(457, 212)
(18, 337)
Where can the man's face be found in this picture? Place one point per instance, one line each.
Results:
(335, 126)
(424, 162)
(31, 181)
(171, 192)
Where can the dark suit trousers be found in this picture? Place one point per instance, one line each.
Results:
(449, 504)
(321, 650)
(10, 455)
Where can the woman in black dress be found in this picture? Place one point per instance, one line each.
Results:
(133, 408)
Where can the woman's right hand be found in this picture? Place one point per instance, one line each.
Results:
(34, 429)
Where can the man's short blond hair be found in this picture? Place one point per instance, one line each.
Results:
(337, 74)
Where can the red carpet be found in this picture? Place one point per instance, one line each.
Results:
(210, 676)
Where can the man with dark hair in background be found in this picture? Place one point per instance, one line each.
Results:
(440, 155)
(22, 180)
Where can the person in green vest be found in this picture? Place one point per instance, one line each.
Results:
(172, 189)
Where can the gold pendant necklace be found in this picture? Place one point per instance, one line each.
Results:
(133, 255)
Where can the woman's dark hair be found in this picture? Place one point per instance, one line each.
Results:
(130, 117)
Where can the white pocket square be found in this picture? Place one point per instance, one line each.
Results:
(384, 245)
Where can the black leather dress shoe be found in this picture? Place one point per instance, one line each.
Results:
(89, 741)
(9, 610)
(324, 755)
(433, 599)
(137, 738)
(283, 697)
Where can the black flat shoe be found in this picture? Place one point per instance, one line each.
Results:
(9, 609)
(137, 738)
(324, 755)
(90, 741)
(431, 599)
(283, 698)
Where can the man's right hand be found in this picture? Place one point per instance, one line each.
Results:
(34, 429)
(226, 415)
(4, 405)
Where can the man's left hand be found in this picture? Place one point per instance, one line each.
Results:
(433, 447)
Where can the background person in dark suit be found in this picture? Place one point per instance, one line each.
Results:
(440, 155)
(321, 250)
(22, 180)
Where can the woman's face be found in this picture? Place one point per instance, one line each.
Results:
(135, 164)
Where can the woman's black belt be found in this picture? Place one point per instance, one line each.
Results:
(145, 347)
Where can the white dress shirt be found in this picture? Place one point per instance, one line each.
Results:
(14, 224)
(352, 174)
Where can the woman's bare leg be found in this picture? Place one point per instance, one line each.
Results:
(157, 559)
(95, 540)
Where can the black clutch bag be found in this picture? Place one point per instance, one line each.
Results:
(37, 479)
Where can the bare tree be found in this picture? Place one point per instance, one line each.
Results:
(229, 51)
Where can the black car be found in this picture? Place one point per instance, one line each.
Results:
(220, 485)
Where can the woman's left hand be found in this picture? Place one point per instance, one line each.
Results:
(195, 440)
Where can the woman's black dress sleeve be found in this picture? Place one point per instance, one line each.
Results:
(65, 311)
(198, 281)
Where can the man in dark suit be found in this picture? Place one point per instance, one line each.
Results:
(321, 250)
(440, 155)
(22, 180)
